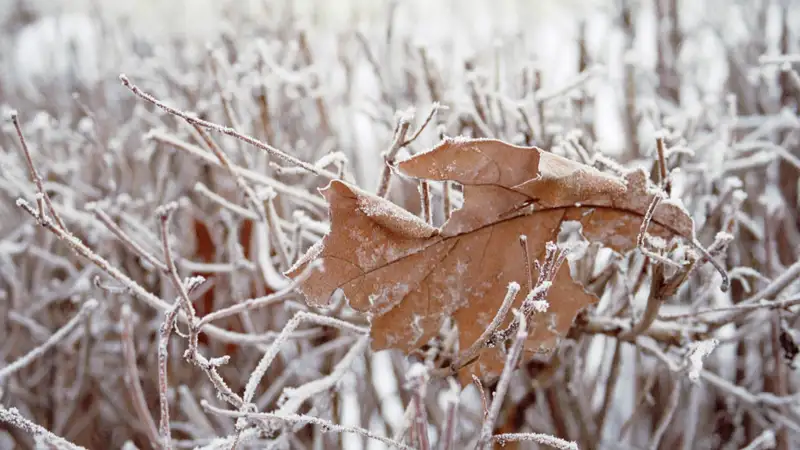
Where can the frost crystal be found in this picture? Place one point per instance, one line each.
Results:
(697, 353)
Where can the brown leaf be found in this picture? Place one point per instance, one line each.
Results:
(409, 276)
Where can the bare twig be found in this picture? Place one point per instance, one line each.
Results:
(435, 108)
(269, 356)
(666, 416)
(304, 419)
(610, 386)
(259, 302)
(163, 383)
(44, 197)
(256, 203)
(132, 377)
(764, 441)
(418, 380)
(400, 132)
(164, 213)
(247, 174)
(13, 418)
(399, 142)
(483, 340)
(226, 130)
(505, 378)
(523, 242)
(125, 239)
(425, 199)
(81, 249)
(662, 165)
(86, 309)
(539, 438)
(449, 432)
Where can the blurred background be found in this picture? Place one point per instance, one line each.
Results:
(325, 81)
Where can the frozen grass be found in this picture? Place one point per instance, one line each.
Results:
(146, 223)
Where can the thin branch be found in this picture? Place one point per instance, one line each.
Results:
(610, 387)
(418, 379)
(163, 384)
(576, 82)
(273, 221)
(127, 240)
(208, 157)
(399, 142)
(86, 309)
(505, 379)
(764, 441)
(449, 433)
(400, 132)
(654, 302)
(255, 202)
(482, 392)
(539, 438)
(325, 425)
(777, 285)
(15, 419)
(260, 302)
(226, 130)
(269, 356)
(294, 397)
(662, 165)
(435, 108)
(164, 213)
(472, 352)
(44, 197)
(447, 203)
(224, 203)
(425, 199)
(523, 242)
(77, 246)
(132, 380)
(666, 416)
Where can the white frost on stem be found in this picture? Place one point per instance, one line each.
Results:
(539, 438)
(15, 419)
(272, 352)
(697, 353)
(56, 338)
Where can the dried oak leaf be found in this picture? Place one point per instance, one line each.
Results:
(409, 276)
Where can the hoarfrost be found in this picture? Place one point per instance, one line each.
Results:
(698, 351)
